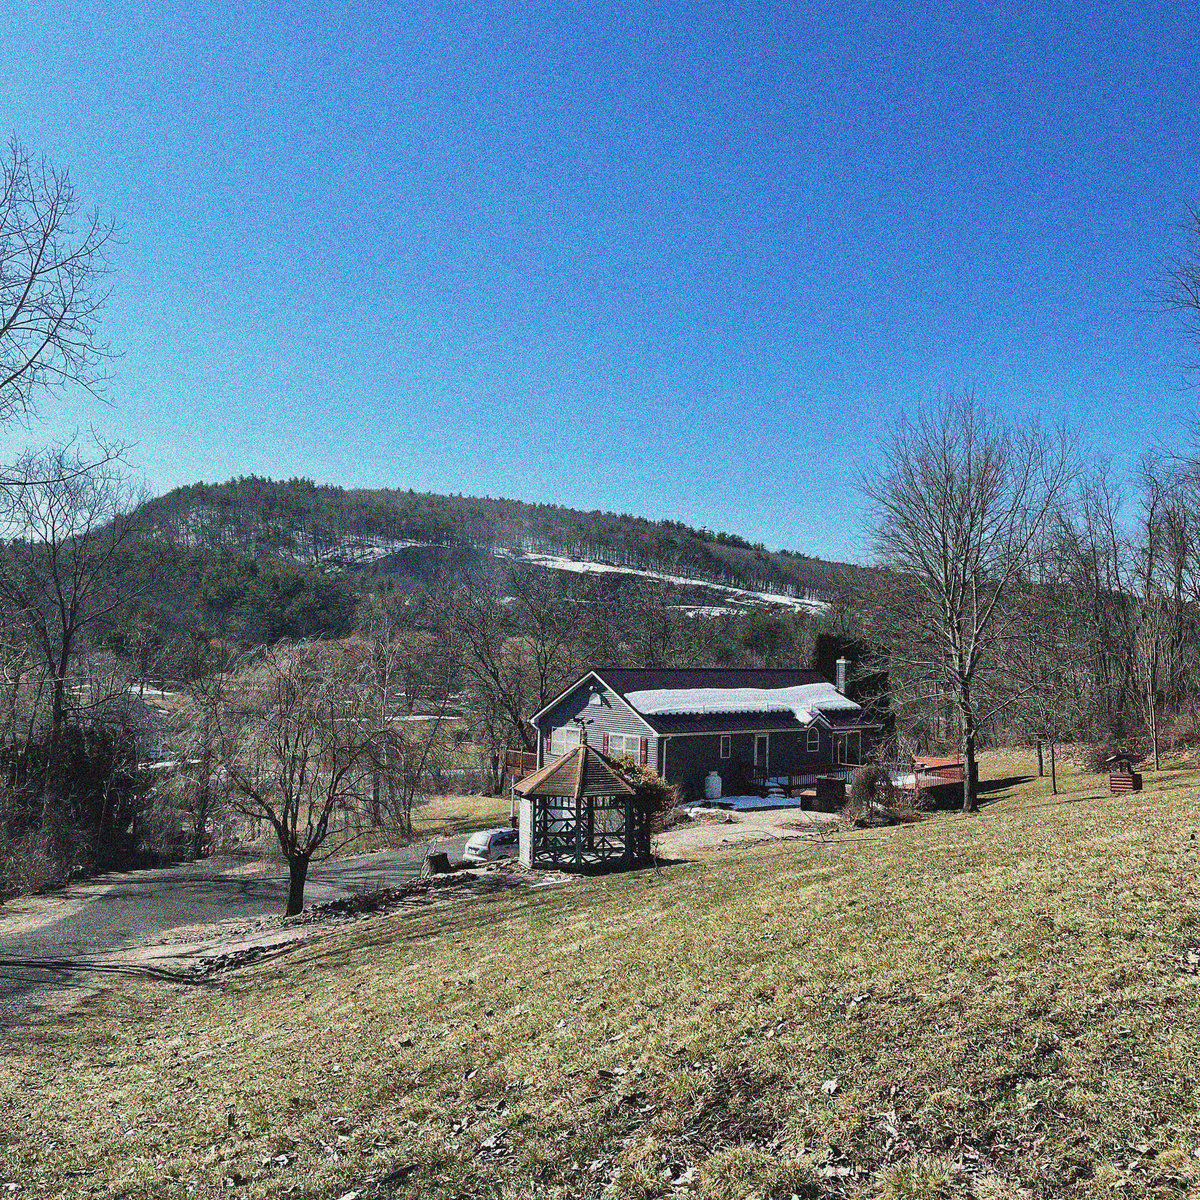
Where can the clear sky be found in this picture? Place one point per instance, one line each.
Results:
(684, 260)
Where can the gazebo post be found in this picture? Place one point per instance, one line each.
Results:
(578, 831)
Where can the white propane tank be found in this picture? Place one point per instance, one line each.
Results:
(712, 786)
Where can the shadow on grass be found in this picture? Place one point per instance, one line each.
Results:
(986, 787)
(600, 871)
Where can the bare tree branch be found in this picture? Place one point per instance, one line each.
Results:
(51, 265)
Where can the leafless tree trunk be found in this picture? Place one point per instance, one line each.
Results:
(200, 749)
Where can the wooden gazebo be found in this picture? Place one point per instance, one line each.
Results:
(578, 812)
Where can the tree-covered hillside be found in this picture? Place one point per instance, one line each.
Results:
(300, 520)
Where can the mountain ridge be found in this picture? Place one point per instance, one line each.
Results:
(339, 528)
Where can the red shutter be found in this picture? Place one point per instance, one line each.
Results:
(547, 756)
(604, 745)
(645, 751)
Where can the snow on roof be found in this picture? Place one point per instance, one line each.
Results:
(804, 700)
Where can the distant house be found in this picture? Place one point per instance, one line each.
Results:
(749, 726)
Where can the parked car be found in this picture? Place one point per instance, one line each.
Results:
(490, 844)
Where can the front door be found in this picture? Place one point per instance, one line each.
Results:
(762, 747)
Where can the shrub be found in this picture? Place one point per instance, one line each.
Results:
(876, 800)
(31, 863)
(652, 792)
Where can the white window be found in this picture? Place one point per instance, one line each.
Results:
(563, 740)
(724, 745)
(625, 745)
(814, 739)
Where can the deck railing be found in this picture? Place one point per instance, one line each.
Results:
(519, 763)
(933, 775)
(806, 779)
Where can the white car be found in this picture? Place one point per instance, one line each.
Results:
(490, 844)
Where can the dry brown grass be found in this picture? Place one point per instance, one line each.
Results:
(991, 1006)
(445, 816)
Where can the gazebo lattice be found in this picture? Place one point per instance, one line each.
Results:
(579, 812)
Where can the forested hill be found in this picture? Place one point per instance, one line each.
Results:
(303, 521)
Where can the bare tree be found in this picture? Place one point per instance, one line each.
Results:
(66, 520)
(407, 673)
(1041, 667)
(496, 679)
(958, 500)
(1179, 289)
(548, 625)
(51, 267)
(298, 737)
(201, 795)
(516, 651)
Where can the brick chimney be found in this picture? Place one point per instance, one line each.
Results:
(843, 672)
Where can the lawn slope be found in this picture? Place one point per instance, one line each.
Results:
(991, 1006)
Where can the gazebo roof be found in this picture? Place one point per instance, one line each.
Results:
(581, 773)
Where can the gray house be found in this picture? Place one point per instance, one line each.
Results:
(749, 726)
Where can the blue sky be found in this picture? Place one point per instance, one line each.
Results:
(683, 260)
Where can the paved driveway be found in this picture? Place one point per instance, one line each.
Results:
(112, 911)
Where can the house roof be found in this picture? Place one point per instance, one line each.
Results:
(637, 679)
(581, 773)
(677, 723)
(678, 700)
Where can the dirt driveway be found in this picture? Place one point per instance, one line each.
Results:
(710, 830)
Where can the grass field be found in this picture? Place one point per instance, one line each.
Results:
(445, 816)
(992, 1006)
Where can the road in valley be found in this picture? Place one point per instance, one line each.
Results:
(114, 911)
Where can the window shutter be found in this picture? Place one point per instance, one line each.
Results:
(604, 745)
(645, 751)
(547, 757)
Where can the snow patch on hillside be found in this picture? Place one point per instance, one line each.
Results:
(557, 562)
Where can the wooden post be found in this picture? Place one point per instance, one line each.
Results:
(1151, 698)
(579, 831)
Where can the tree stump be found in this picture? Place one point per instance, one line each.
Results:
(437, 863)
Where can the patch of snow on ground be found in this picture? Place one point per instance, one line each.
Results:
(150, 694)
(750, 803)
